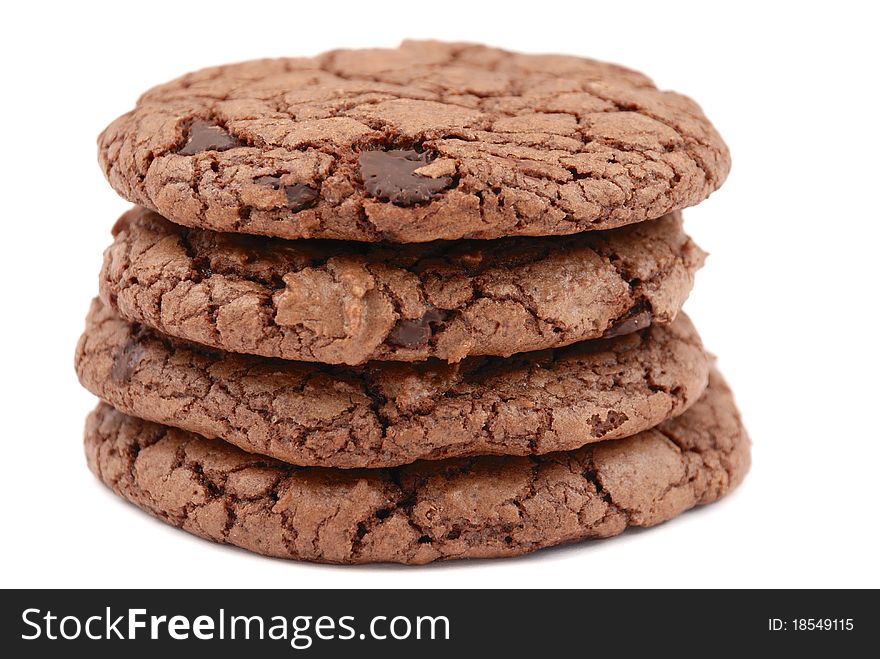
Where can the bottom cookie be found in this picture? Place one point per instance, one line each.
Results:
(460, 508)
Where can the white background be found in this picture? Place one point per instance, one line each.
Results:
(788, 298)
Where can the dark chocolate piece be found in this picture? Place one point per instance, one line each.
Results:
(204, 136)
(637, 318)
(414, 333)
(273, 182)
(300, 196)
(390, 176)
(126, 360)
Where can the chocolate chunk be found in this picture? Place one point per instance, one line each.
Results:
(390, 176)
(126, 360)
(415, 333)
(208, 137)
(639, 317)
(273, 182)
(613, 420)
(300, 196)
(410, 334)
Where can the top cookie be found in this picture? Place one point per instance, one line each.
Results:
(428, 141)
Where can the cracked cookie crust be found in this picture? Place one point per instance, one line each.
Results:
(347, 302)
(428, 141)
(462, 508)
(386, 414)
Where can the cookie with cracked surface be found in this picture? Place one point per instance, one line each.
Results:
(386, 414)
(428, 141)
(346, 302)
(461, 508)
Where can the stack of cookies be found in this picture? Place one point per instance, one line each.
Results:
(407, 305)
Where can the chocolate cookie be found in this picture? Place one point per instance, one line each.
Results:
(462, 508)
(427, 141)
(346, 302)
(385, 414)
